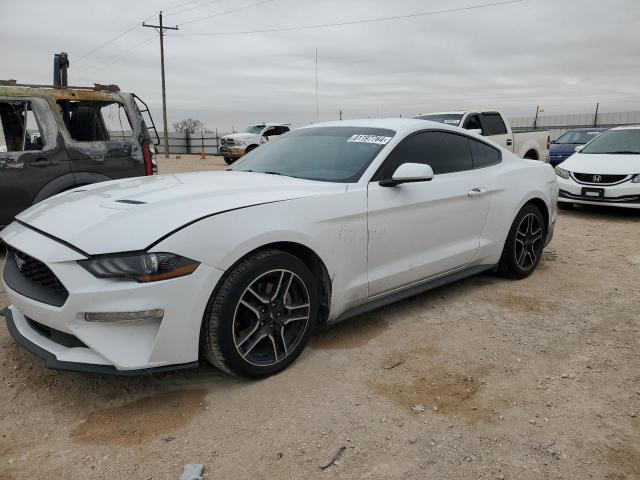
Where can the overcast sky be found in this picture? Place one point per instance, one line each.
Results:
(563, 54)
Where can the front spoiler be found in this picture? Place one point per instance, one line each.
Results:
(50, 360)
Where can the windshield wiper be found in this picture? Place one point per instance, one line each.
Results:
(623, 152)
(273, 173)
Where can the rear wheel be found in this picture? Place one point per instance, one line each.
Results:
(524, 244)
(262, 316)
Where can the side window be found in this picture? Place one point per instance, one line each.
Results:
(269, 132)
(19, 130)
(473, 123)
(483, 155)
(493, 124)
(94, 121)
(444, 152)
(281, 130)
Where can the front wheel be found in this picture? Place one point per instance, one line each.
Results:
(228, 160)
(261, 317)
(524, 244)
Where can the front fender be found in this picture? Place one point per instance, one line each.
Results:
(333, 226)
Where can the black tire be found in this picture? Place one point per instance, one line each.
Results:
(233, 333)
(565, 206)
(229, 160)
(522, 253)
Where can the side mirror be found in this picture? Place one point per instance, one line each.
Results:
(579, 148)
(477, 131)
(409, 173)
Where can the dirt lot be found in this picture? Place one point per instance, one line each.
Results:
(520, 380)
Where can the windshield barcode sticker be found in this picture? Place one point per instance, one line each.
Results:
(377, 139)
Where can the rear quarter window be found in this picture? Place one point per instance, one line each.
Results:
(483, 154)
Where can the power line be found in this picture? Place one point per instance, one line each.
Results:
(102, 45)
(180, 5)
(354, 22)
(194, 7)
(101, 66)
(226, 12)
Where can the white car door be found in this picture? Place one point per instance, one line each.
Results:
(419, 230)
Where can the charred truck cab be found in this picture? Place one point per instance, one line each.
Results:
(55, 138)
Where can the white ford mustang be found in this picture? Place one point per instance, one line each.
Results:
(606, 171)
(240, 266)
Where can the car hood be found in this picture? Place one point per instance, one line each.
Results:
(241, 136)
(131, 214)
(602, 164)
(563, 148)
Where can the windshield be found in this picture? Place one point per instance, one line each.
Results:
(577, 137)
(255, 129)
(328, 154)
(447, 118)
(621, 142)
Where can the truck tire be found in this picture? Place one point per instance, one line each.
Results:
(86, 125)
(228, 160)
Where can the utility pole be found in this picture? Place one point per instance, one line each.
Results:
(161, 29)
(317, 104)
(595, 118)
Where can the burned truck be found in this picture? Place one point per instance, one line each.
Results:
(55, 138)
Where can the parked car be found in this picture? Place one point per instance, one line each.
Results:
(533, 145)
(566, 144)
(56, 139)
(605, 171)
(235, 145)
(243, 264)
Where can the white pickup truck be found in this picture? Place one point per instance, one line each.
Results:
(492, 124)
(235, 145)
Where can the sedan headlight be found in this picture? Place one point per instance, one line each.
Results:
(562, 173)
(636, 178)
(142, 267)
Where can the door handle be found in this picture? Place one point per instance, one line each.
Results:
(476, 192)
(509, 142)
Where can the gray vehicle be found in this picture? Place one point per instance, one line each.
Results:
(54, 139)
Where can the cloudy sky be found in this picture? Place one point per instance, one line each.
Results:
(563, 54)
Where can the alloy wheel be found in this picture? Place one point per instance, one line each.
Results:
(528, 241)
(271, 317)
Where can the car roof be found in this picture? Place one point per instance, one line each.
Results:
(627, 127)
(588, 129)
(399, 125)
(450, 112)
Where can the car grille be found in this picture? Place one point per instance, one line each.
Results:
(37, 275)
(600, 179)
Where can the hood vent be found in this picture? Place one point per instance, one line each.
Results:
(131, 202)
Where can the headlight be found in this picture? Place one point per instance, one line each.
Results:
(636, 178)
(143, 267)
(562, 173)
(239, 142)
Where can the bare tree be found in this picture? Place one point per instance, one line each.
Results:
(189, 126)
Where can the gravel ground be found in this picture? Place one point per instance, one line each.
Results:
(518, 380)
